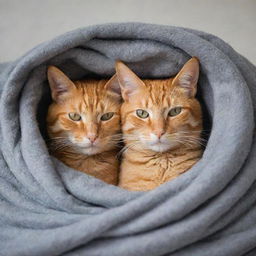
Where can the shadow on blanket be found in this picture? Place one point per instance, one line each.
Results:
(48, 209)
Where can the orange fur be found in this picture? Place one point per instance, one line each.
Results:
(160, 147)
(90, 144)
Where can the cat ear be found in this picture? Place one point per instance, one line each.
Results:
(113, 86)
(187, 78)
(130, 83)
(61, 86)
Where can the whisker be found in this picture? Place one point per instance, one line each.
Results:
(127, 147)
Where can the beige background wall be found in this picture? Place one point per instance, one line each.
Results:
(26, 23)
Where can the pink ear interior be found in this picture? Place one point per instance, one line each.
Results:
(129, 82)
(187, 78)
(60, 84)
(113, 86)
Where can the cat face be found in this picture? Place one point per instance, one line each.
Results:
(160, 115)
(84, 115)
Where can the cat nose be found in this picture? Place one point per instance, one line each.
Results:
(92, 137)
(159, 134)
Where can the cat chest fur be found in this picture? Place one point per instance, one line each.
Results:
(150, 171)
(103, 166)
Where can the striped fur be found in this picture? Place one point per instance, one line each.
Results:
(160, 147)
(70, 140)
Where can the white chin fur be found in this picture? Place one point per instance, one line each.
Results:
(94, 150)
(85, 147)
(157, 145)
(90, 151)
(160, 147)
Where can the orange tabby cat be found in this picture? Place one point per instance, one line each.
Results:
(83, 124)
(161, 124)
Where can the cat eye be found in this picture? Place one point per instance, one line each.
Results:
(107, 116)
(142, 113)
(74, 116)
(175, 111)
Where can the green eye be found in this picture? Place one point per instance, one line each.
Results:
(107, 116)
(74, 116)
(175, 111)
(142, 113)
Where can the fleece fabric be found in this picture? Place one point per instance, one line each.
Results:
(47, 208)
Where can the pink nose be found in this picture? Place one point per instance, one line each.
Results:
(92, 137)
(159, 134)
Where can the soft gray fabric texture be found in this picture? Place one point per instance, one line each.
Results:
(47, 208)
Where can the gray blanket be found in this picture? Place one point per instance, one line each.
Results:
(47, 208)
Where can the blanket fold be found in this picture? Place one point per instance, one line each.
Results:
(46, 208)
